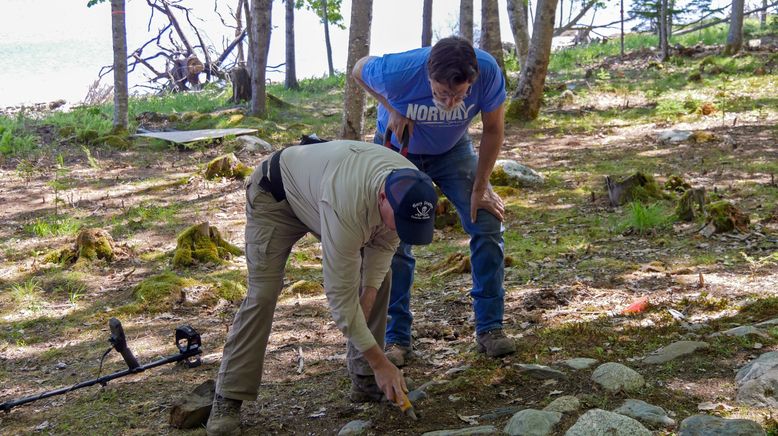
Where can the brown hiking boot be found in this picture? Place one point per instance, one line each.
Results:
(495, 344)
(398, 354)
(364, 389)
(225, 417)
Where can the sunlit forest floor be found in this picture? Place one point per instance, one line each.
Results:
(576, 261)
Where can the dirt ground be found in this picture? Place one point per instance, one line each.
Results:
(574, 272)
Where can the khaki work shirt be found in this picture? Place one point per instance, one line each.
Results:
(333, 189)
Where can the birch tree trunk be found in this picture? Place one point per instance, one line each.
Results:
(426, 24)
(259, 43)
(358, 47)
(290, 80)
(490, 31)
(120, 91)
(735, 36)
(238, 30)
(525, 104)
(466, 19)
(327, 37)
(517, 15)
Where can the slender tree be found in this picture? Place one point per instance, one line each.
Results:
(490, 31)
(120, 89)
(239, 30)
(358, 47)
(664, 43)
(259, 44)
(621, 33)
(466, 19)
(763, 15)
(290, 80)
(517, 15)
(328, 12)
(735, 36)
(426, 26)
(525, 103)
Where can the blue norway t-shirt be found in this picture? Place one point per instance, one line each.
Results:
(403, 80)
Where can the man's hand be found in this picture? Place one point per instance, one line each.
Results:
(387, 376)
(486, 199)
(397, 123)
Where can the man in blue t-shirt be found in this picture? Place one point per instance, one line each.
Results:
(435, 93)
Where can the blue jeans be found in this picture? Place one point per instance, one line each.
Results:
(453, 172)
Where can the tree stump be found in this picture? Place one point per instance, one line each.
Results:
(685, 210)
(202, 243)
(636, 187)
(241, 84)
(227, 166)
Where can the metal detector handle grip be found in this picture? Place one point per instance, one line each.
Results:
(119, 342)
(404, 139)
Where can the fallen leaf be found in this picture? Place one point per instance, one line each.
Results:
(637, 306)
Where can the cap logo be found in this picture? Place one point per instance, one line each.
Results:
(423, 209)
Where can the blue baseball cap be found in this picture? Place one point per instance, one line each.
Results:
(413, 200)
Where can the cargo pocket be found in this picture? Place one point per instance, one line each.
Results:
(257, 241)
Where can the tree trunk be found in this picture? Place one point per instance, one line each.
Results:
(290, 81)
(241, 84)
(327, 37)
(763, 15)
(426, 24)
(621, 35)
(525, 104)
(250, 52)
(239, 30)
(120, 91)
(735, 37)
(466, 19)
(490, 31)
(358, 47)
(561, 12)
(518, 19)
(664, 46)
(259, 43)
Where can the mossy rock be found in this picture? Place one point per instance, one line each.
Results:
(677, 184)
(685, 209)
(726, 217)
(202, 243)
(637, 187)
(159, 292)
(506, 191)
(191, 116)
(508, 172)
(701, 137)
(695, 77)
(115, 141)
(445, 214)
(227, 166)
(91, 245)
(305, 288)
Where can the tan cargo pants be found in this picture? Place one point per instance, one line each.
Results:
(271, 230)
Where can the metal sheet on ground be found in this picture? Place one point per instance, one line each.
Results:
(184, 136)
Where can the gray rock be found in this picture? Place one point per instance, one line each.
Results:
(193, 410)
(530, 422)
(417, 395)
(742, 331)
(758, 381)
(355, 427)
(520, 174)
(541, 372)
(645, 413)
(252, 143)
(615, 377)
(705, 425)
(674, 351)
(481, 429)
(579, 362)
(602, 422)
(674, 135)
(564, 404)
(768, 323)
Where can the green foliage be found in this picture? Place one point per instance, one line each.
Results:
(201, 243)
(334, 16)
(645, 219)
(157, 293)
(144, 216)
(84, 124)
(27, 169)
(52, 225)
(27, 294)
(207, 100)
(670, 109)
(14, 140)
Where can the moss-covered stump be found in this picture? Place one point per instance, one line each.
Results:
(677, 184)
(91, 245)
(305, 288)
(637, 187)
(445, 214)
(685, 209)
(160, 292)
(726, 217)
(227, 166)
(202, 243)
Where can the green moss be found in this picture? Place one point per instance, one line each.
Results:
(445, 214)
(90, 245)
(227, 166)
(157, 293)
(676, 184)
(500, 178)
(66, 131)
(726, 217)
(305, 288)
(115, 141)
(87, 135)
(202, 243)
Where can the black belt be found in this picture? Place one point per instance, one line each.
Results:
(274, 184)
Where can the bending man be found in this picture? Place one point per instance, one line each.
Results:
(357, 199)
(435, 93)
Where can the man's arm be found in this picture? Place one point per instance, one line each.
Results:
(491, 140)
(397, 121)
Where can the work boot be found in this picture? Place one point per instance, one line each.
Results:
(364, 389)
(225, 417)
(398, 354)
(494, 343)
